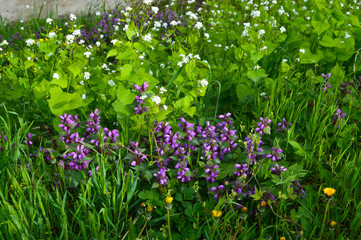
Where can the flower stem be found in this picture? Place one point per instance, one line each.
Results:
(145, 224)
(324, 218)
(170, 235)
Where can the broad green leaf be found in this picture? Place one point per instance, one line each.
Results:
(112, 53)
(60, 101)
(257, 75)
(320, 26)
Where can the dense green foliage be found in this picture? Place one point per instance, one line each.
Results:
(154, 160)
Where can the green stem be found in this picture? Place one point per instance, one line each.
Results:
(170, 235)
(145, 224)
(324, 218)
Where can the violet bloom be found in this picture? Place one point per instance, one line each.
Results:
(29, 140)
(338, 116)
(277, 170)
(181, 173)
(298, 189)
(141, 88)
(161, 176)
(275, 155)
(212, 172)
(241, 170)
(218, 191)
(263, 125)
(326, 85)
(283, 125)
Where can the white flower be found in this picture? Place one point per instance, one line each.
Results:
(27, 6)
(156, 99)
(162, 65)
(143, 96)
(147, 37)
(52, 34)
(263, 94)
(261, 32)
(70, 38)
(165, 107)
(81, 82)
(4, 42)
(97, 13)
(284, 60)
(83, 96)
(302, 50)
(151, 72)
(155, 9)
(148, 2)
(203, 83)
(255, 14)
(162, 90)
(198, 25)
(56, 76)
(128, 9)
(29, 58)
(97, 43)
(1, 49)
(29, 42)
(49, 20)
(81, 41)
(206, 35)
(87, 54)
(114, 41)
(282, 29)
(86, 75)
(111, 83)
(347, 35)
(72, 17)
(77, 32)
(256, 67)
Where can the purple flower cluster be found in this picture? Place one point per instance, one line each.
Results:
(276, 170)
(261, 126)
(275, 155)
(218, 191)
(173, 148)
(140, 98)
(253, 147)
(326, 85)
(29, 140)
(3, 141)
(77, 156)
(284, 125)
(298, 189)
(337, 118)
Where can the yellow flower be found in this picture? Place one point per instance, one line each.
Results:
(244, 209)
(329, 192)
(333, 224)
(263, 204)
(168, 200)
(41, 40)
(142, 204)
(149, 209)
(282, 238)
(216, 214)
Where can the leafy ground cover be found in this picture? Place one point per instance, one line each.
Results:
(183, 120)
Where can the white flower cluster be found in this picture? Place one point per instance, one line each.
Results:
(49, 20)
(56, 76)
(72, 17)
(147, 37)
(29, 42)
(4, 42)
(52, 35)
(111, 83)
(156, 99)
(186, 59)
(162, 90)
(202, 83)
(148, 2)
(86, 75)
(87, 54)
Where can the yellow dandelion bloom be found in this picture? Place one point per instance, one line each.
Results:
(263, 204)
(329, 192)
(244, 209)
(168, 200)
(216, 214)
(149, 209)
(282, 238)
(333, 224)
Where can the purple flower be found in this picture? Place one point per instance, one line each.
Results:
(275, 155)
(218, 191)
(337, 118)
(283, 125)
(161, 176)
(181, 173)
(298, 189)
(263, 125)
(277, 169)
(212, 172)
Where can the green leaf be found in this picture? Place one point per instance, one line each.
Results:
(257, 75)
(131, 31)
(258, 194)
(328, 41)
(299, 148)
(354, 21)
(124, 98)
(320, 26)
(60, 101)
(112, 53)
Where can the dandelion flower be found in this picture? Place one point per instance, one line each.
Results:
(329, 192)
(168, 200)
(216, 214)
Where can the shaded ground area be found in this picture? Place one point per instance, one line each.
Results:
(14, 9)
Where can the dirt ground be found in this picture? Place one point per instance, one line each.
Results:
(21, 9)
